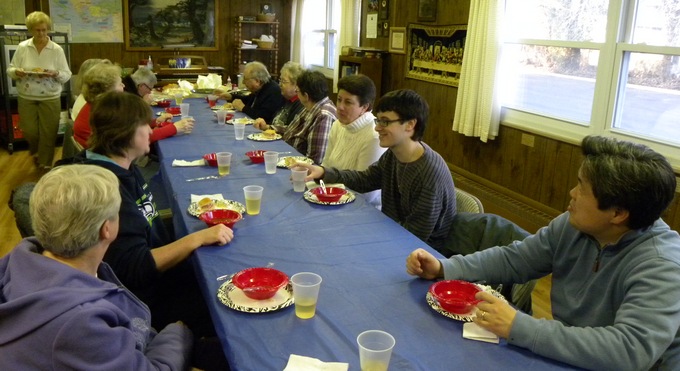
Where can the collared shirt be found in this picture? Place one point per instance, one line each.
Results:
(308, 132)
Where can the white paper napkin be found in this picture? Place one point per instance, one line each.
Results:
(473, 332)
(200, 162)
(301, 363)
(196, 198)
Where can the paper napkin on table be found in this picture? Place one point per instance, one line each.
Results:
(472, 331)
(216, 196)
(301, 363)
(200, 162)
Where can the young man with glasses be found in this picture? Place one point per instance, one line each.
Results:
(417, 188)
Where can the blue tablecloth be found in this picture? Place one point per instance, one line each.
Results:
(359, 252)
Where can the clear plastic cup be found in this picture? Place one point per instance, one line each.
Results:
(297, 175)
(253, 195)
(223, 163)
(306, 287)
(221, 117)
(184, 109)
(212, 99)
(270, 160)
(179, 97)
(375, 349)
(239, 130)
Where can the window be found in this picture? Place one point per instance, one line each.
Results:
(321, 23)
(577, 67)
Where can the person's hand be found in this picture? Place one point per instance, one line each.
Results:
(148, 98)
(260, 124)
(494, 314)
(163, 118)
(49, 73)
(313, 171)
(238, 104)
(20, 72)
(423, 264)
(222, 94)
(184, 126)
(215, 235)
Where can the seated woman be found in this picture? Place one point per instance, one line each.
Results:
(102, 78)
(78, 85)
(148, 262)
(308, 132)
(61, 307)
(353, 142)
(288, 84)
(141, 82)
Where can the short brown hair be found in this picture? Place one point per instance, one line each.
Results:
(114, 120)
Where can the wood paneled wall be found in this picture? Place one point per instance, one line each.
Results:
(544, 173)
(228, 11)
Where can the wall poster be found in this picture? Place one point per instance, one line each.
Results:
(435, 53)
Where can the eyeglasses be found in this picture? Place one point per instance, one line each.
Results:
(282, 81)
(386, 123)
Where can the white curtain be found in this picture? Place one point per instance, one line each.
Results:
(477, 105)
(350, 21)
(296, 49)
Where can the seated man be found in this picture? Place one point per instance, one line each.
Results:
(417, 188)
(60, 306)
(615, 266)
(141, 82)
(264, 99)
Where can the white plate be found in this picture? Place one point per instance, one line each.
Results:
(282, 161)
(236, 299)
(468, 317)
(196, 211)
(242, 119)
(345, 199)
(41, 73)
(162, 112)
(259, 137)
(227, 107)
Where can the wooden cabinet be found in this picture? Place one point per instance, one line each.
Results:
(9, 116)
(371, 67)
(249, 30)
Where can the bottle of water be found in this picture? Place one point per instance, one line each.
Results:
(149, 63)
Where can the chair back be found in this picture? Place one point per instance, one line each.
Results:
(467, 203)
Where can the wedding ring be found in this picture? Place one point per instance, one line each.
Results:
(483, 314)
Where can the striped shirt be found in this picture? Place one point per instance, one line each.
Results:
(419, 195)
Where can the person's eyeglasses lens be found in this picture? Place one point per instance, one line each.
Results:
(385, 123)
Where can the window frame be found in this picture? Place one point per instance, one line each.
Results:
(328, 69)
(610, 82)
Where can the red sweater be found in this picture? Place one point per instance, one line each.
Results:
(82, 131)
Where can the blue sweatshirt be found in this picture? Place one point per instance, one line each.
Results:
(616, 308)
(54, 317)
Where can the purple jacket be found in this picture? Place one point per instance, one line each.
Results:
(54, 317)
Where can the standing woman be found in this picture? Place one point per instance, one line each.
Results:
(40, 68)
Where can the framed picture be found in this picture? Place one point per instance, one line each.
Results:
(435, 53)
(427, 10)
(150, 25)
(397, 40)
(384, 10)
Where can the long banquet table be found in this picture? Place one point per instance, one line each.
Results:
(359, 252)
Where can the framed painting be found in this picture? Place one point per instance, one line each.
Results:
(427, 10)
(163, 24)
(435, 53)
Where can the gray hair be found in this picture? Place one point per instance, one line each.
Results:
(258, 71)
(144, 76)
(69, 205)
(293, 70)
(99, 79)
(629, 176)
(84, 67)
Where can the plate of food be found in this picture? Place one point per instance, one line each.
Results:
(288, 161)
(346, 198)
(37, 72)
(265, 136)
(243, 120)
(207, 204)
(225, 106)
(236, 299)
(467, 317)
